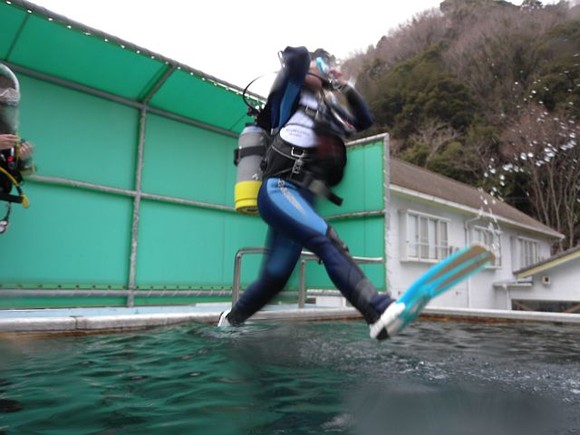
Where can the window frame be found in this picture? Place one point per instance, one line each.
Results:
(524, 258)
(425, 237)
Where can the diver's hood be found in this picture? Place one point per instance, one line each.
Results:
(9, 100)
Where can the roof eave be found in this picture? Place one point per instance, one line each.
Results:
(548, 264)
(471, 210)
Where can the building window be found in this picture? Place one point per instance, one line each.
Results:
(426, 237)
(529, 251)
(490, 238)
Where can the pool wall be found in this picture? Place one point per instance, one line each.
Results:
(98, 320)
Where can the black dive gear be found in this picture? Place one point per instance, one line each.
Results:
(11, 163)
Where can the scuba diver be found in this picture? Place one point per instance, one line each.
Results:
(15, 153)
(309, 113)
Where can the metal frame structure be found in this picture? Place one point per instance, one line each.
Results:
(137, 195)
(142, 104)
(305, 257)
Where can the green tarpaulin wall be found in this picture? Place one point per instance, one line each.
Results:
(132, 202)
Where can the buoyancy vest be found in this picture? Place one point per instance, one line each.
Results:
(331, 122)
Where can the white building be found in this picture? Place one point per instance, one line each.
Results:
(554, 284)
(431, 215)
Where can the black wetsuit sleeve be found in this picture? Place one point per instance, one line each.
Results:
(284, 95)
(363, 118)
(296, 62)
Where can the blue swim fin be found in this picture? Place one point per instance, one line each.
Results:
(449, 272)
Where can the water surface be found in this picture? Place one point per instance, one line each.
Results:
(297, 378)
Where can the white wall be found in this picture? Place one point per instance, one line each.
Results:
(564, 284)
(476, 292)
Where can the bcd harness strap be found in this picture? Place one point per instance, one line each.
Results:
(310, 111)
(240, 153)
(21, 198)
(299, 174)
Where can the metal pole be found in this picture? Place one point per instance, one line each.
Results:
(237, 273)
(302, 290)
(117, 99)
(236, 286)
(118, 293)
(305, 256)
(136, 207)
(387, 206)
(124, 192)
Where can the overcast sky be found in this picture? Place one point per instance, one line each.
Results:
(238, 40)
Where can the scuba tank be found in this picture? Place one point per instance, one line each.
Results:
(252, 144)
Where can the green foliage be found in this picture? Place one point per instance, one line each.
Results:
(446, 163)
(419, 90)
(558, 82)
(416, 154)
(478, 78)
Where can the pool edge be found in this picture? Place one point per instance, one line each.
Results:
(46, 321)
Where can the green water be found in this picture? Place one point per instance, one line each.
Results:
(298, 378)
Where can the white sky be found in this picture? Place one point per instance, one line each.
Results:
(238, 40)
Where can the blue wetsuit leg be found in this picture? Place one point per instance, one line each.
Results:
(282, 254)
(294, 224)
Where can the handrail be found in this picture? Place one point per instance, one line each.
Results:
(305, 256)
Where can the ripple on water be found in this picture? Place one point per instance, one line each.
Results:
(298, 378)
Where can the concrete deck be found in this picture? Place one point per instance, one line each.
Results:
(92, 320)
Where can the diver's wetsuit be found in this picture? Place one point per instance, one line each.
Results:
(286, 203)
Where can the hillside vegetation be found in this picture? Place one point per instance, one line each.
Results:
(487, 93)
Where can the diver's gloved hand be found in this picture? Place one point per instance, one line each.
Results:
(25, 150)
(8, 141)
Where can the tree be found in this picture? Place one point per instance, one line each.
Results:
(434, 135)
(544, 147)
(506, 81)
(496, 54)
(532, 4)
(418, 92)
(558, 78)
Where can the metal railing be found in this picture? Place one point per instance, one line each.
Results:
(305, 257)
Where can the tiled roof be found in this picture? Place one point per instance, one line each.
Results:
(422, 181)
